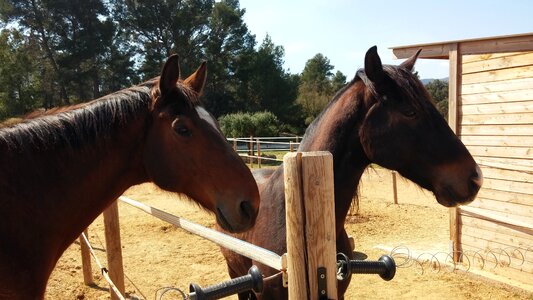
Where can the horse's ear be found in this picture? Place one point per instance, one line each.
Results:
(197, 79)
(373, 67)
(409, 64)
(170, 74)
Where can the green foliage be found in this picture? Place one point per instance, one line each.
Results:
(438, 89)
(317, 86)
(338, 81)
(160, 28)
(236, 124)
(268, 86)
(78, 46)
(65, 52)
(229, 49)
(318, 72)
(442, 107)
(250, 124)
(18, 75)
(266, 124)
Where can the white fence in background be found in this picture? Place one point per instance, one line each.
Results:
(256, 148)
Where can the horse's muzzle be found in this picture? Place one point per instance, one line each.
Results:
(236, 220)
(458, 192)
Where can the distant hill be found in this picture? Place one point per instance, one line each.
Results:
(426, 81)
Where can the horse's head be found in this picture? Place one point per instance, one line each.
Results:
(403, 131)
(186, 152)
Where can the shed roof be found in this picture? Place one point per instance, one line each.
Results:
(440, 50)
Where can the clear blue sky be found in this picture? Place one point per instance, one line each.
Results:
(343, 30)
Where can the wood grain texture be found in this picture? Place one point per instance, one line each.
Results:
(498, 97)
(502, 130)
(482, 57)
(498, 119)
(295, 213)
(497, 86)
(319, 197)
(505, 229)
(498, 75)
(114, 248)
(497, 140)
(486, 45)
(495, 216)
(523, 211)
(86, 260)
(497, 63)
(454, 92)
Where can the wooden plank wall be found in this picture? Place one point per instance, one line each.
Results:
(495, 122)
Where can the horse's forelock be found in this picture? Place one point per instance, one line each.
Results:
(407, 83)
(188, 94)
(412, 88)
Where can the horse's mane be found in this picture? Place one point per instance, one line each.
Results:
(310, 131)
(77, 125)
(183, 90)
(409, 85)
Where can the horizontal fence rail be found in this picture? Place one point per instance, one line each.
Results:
(296, 138)
(252, 149)
(262, 158)
(306, 167)
(251, 251)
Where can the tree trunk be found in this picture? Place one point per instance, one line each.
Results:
(49, 54)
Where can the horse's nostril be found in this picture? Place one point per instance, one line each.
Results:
(247, 209)
(477, 177)
(474, 187)
(476, 180)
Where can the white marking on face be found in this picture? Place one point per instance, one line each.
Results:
(206, 116)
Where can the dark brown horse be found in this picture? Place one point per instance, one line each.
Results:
(383, 116)
(59, 171)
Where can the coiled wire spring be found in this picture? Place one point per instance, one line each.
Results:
(485, 259)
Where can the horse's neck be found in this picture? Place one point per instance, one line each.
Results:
(50, 194)
(336, 131)
(65, 188)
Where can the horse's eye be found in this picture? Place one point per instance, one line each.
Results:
(410, 113)
(182, 130)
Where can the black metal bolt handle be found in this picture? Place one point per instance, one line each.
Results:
(252, 281)
(385, 267)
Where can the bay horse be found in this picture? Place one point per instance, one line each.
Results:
(60, 170)
(383, 116)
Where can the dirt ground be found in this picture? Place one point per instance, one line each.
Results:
(157, 255)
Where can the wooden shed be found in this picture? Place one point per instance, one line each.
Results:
(491, 110)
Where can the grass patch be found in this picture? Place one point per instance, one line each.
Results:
(264, 162)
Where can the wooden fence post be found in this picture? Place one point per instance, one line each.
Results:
(258, 153)
(86, 260)
(454, 98)
(310, 211)
(394, 187)
(251, 151)
(114, 249)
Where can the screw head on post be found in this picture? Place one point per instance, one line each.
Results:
(390, 267)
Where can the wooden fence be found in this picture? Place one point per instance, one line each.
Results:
(308, 184)
(491, 110)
